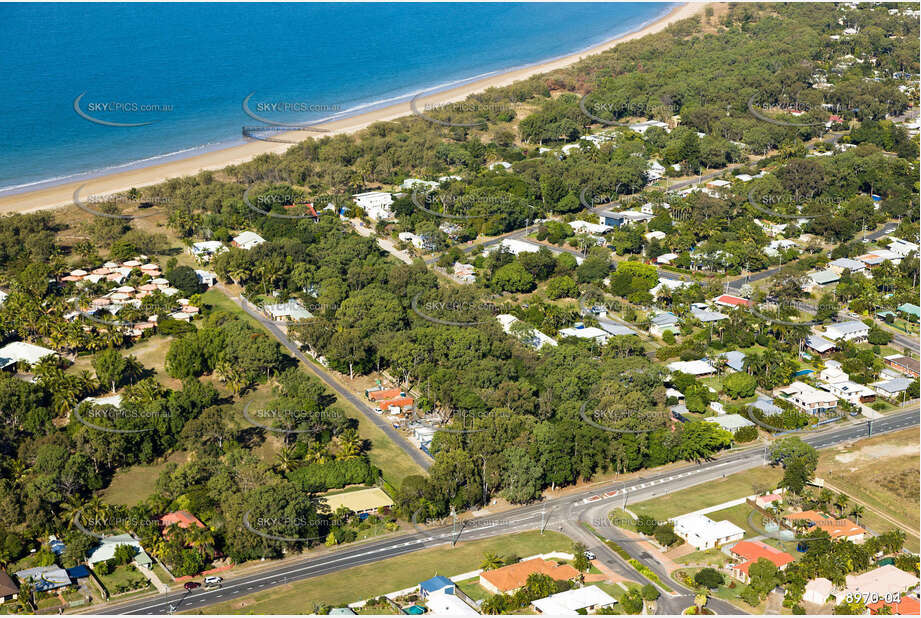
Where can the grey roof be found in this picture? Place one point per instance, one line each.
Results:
(730, 422)
(766, 405)
(851, 326)
(666, 318)
(825, 276)
(895, 385)
(734, 359)
(819, 344)
(848, 264)
(615, 329)
(46, 577)
(708, 316)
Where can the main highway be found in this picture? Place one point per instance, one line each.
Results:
(565, 514)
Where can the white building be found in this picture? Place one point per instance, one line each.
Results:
(882, 582)
(847, 331)
(809, 399)
(902, 247)
(206, 249)
(694, 368)
(850, 391)
(291, 310)
(656, 234)
(818, 590)
(440, 603)
(586, 332)
(21, 351)
(376, 204)
(411, 238)
(537, 339)
(704, 533)
(412, 183)
(847, 264)
(503, 164)
(206, 277)
(516, 247)
(584, 227)
(642, 127)
(666, 258)
(247, 240)
(568, 603)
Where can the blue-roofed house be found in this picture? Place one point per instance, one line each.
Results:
(80, 571)
(439, 582)
(910, 309)
(45, 578)
(735, 359)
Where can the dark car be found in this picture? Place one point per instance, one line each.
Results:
(191, 585)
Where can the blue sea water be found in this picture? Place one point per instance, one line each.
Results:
(198, 61)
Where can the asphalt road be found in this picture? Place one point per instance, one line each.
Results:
(562, 514)
(417, 455)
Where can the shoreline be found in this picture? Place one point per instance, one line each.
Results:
(62, 194)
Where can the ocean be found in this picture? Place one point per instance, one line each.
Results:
(181, 72)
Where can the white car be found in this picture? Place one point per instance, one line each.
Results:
(213, 579)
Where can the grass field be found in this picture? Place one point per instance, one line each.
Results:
(881, 472)
(372, 580)
(132, 485)
(708, 494)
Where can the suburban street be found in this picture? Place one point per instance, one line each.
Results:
(562, 514)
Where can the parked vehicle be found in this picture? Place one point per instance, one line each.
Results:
(191, 585)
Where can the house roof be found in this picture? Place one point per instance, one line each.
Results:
(752, 551)
(7, 586)
(730, 422)
(400, 402)
(441, 603)
(19, 351)
(907, 606)
(106, 548)
(881, 581)
(840, 329)
(824, 276)
(819, 344)
(729, 299)
(708, 316)
(912, 364)
(821, 586)
(766, 405)
(735, 359)
(847, 264)
(914, 310)
(514, 576)
(701, 527)
(666, 318)
(836, 528)
(894, 386)
(183, 519)
(45, 578)
(387, 393)
(568, 603)
(694, 368)
(435, 583)
(361, 500)
(245, 238)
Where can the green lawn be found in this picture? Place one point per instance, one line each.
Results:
(708, 494)
(123, 579)
(378, 578)
(472, 588)
(739, 516)
(133, 485)
(713, 557)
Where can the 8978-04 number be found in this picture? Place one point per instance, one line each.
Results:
(873, 597)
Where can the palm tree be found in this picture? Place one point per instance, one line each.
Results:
(349, 444)
(825, 498)
(490, 561)
(841, 502)
(285, 459)
(857, 512)
(317, 453)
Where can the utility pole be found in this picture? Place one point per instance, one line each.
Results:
(542, 521)
(454, 534)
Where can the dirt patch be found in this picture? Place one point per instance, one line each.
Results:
(877, 451)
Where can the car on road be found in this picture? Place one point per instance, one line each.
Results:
(590, 554)
(213, 579)
(191, 585)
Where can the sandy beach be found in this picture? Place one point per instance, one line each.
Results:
(62, 195)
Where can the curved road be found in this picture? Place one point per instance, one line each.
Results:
(568, 513)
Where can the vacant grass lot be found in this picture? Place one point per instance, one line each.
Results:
(133, 485)
(372, 580)
(712, 493)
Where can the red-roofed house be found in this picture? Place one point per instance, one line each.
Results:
(728, 300)
(383, 395)
(183, 519)
(404, 404)
(907, 606)
(836, 528)
(752, 551)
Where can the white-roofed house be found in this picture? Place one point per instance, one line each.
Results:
(586, 332)
(666, 258)
(22, 352)
(847, 264)
(531, 336)
(818, 590)
(663, 322)
(517, 247)
(730, 422)
(695, 368)
(247, 240)
(441, 603)
(902, 247)
(583, 227)
(376, 204)
(847, 331)
(206, 249)
(880, 582)
(704, 533)
(291, 310)
(642, 127)
(809, 399)
(206, 277)
(587, 599)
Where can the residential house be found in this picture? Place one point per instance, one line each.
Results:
(105, 550)
(206, 277)
(767, 501)
(439, 583)
(820, 279)
(904, 364)
(625, 217)
(728, 300)
(411, 183)
(730, 422)
(892, 389)
(45, 578)
(442, 603)
(818, 590)
(880, 583)
(370, 500)
(516, 247)
(383, 394)
(842, 265)
(9, 591)
(22, 352)
(584, 227)
(500, 164)
(642, 127)
(536, 340)
(247, 240)
(586, 332)
(613, 328)
(662, 322)
(704, 533)
(850, 391)
(376, 204)
(810, 399)
(585, 600)
(702, 313)
(836, 528)
(750, 552)
(735, 360)
(902, 247)
(508, 579)
(905, 606)
(818, 344)
(204, 251)
(183, 519)
(910, 310)
(670, 285)
(655, 234)
(774, 247)
(852, 330)
(290, 311)
(400, 405)
(666, 258)
(766, 405)
(654, 170)
(700, 367)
